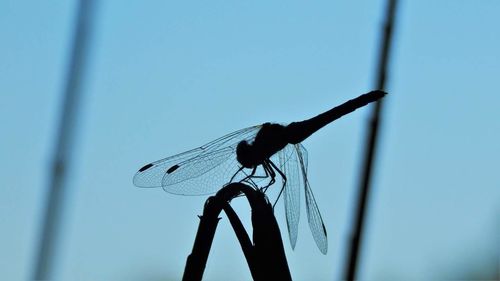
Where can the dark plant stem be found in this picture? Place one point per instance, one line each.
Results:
(265, 257)
(371, 145)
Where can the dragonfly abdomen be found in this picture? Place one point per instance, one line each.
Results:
(297, 132)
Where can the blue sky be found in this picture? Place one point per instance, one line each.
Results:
(165, 77)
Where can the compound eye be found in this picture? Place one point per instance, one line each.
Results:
(244, 154)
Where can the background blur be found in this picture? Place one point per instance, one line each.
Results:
(157, 67)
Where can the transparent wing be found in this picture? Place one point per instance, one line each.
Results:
(316, 224)
(193, 163)
(289, 165)
(303, 152)
(207, 179)
(151, 175)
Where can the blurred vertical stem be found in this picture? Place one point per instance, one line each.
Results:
(61, 159)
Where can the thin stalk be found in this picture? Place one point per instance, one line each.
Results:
(370, 149)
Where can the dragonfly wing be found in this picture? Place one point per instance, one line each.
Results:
(289, 165)
(303, 152)
(204, 174)
(151, 175)
(176, 169)
(316, 224)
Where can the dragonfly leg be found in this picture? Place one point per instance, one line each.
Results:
(248, 178)
(284, 181)
(237, 172)
(261, 177)
(269, 173)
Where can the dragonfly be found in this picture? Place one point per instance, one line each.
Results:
(251, 155)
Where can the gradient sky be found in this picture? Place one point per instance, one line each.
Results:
(165, 77)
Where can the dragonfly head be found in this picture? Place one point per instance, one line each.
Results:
(245, 155)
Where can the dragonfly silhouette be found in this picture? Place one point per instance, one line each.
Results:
(249, 155)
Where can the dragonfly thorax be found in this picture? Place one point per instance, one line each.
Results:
(270, 139)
